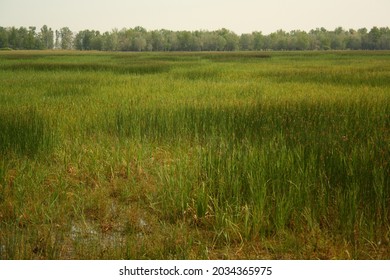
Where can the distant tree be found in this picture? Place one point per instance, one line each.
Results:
(96, 41)
(315, 43)
(22, 40)
(79, 41)
(208, 41)
(374, 38)
(66, 38)
(222, 44)
(57, 40)
(279, 40)
(184, 39)
(88, 40)
(324, 39)
(110, 40)
(384, 41)
(3, 37)
(139, 39)
(231, 38)
(170, 40)
(47, 37)
(124, 40)
(375, 35)
(139, 43)
(246, 42)
(353, 40)
(336, 42)
(363, 32)
(114, 35)
(300, 40)
(337, 38)
(31, 41)
(258, 41)
(13, 37)
(156, 41)
(140, 30)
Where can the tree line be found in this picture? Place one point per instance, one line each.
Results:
(140, 39)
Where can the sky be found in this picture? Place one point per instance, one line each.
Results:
(240, 16)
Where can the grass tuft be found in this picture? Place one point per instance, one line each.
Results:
(25, 132)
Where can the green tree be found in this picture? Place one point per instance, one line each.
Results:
(170, 40)
(300, 40)
(157, 40)
(31, 42)
(258, 41)
(208, 41)
(353, 40)
(384, 41)
(138, 37)
(324, 39)
(231, 38)
(3, 37)
(246, 42)
(88, 40)
(82, 40)
(337, 39)
(374, 38)
(184, 39)
(66, 38)
(13, 37)
(139, 43)
(124, 40)
(96, 41)
(20, 38)
(57, 40)
(110, 40)
(47, 37)
(279, 40)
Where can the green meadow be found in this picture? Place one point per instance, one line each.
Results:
(241, 155)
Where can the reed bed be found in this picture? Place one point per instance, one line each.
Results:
(194, 155)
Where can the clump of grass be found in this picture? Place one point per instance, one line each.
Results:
(258, 169)
(24, 131)
(77, 88)
(347, 77)
(201, 74)
(138, 69)
(237, 57)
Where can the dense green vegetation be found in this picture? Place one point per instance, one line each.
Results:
(139, 39)
(194, 155)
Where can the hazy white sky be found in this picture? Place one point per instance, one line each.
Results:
(240, 16)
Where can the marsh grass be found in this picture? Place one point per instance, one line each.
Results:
(351, 77)
(140, 69)
(24, 131)
(190, 155)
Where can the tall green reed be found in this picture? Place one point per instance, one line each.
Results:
(24, 131)
(263, 166)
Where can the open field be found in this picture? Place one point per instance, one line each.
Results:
(244, 155)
